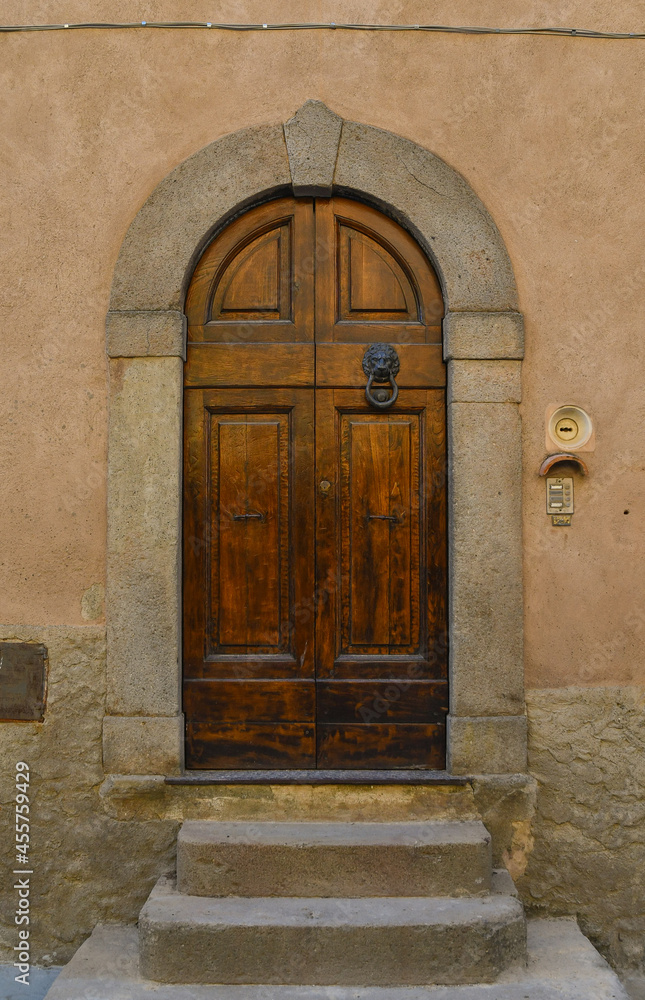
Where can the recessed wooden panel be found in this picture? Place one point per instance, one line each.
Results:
(373, 282)
(262, 745)
(255, 281)
(382, 701)
(381, 745)
(250, 531)
(248, 537)
(380, 542)
(249, 701)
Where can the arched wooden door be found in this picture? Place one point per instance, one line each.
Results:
(314, 523)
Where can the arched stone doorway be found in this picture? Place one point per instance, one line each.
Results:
(315, 154)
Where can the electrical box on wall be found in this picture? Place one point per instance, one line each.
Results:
(559, 500)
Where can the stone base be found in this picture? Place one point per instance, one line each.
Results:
(562, 965)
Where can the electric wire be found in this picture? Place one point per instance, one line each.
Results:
(332, 25)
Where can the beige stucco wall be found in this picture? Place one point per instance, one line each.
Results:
(549, 133)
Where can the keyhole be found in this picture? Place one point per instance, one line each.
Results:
(566, 429)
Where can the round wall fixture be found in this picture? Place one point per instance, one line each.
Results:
(569, 427)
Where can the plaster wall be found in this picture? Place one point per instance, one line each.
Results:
(549, 133)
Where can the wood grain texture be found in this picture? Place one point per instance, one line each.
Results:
(384, 701)
(314, 526)
(255, 281)
(214, 701)
(231, 365)
(340, 365)
(261, 745)
(381, 745)
(373, 282)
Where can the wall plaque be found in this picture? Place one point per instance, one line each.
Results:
(22, 681)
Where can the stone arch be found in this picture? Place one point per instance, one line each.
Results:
(315, 153)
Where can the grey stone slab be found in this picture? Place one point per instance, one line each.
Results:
(144, 498)
(312, 138)
(562, 965)
(127, 740)
(483, 335)
(493, 744)
(484, 381)
(438, 206)
(333, 859)
(377, 941)
(486, 607)
(146, 334)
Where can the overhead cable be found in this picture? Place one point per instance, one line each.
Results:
(330, 25)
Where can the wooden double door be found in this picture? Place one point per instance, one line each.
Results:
(314, 522)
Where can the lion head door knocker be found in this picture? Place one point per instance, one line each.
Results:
(380, 364)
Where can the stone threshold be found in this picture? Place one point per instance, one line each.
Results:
(318, 777)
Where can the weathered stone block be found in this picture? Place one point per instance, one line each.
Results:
(333, 859)
(142, 745)
(350, 942)
(485, 335)
(146, 334)
(489, 745)
(484, 381)
(586, 751)
(144, 489)
(486, 608)
(312, 138)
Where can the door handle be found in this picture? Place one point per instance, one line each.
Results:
(380, 364)
(247, 517)
(397, 518)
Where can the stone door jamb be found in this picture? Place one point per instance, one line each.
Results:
(315, 153)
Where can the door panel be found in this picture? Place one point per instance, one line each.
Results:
(314, 524)
(373, 282)
(379, 528)
(255, 282)
(248, 559)
(388, 701)
(230, 365)
(270, 745)
(381, 746)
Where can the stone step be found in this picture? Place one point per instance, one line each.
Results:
(562, 965)
(333, 859)
(352, 942)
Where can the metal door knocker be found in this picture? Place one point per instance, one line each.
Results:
(380, 364)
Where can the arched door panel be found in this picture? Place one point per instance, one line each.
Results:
(314, 555)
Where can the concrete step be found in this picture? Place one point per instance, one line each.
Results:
(562, 965)
(353, 942)
(333, 859)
